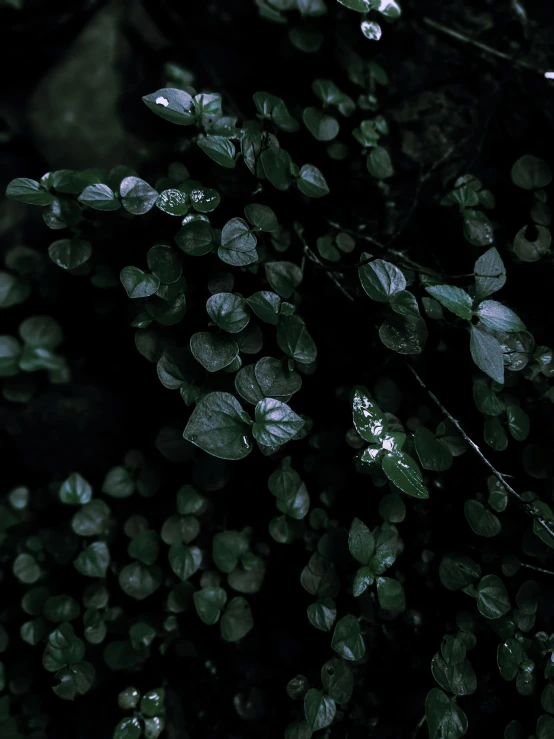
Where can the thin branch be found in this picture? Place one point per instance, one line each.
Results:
(408, 261)
(502, 478)
(316, 260)
(420, 723)
(485, 48)
(537, 569)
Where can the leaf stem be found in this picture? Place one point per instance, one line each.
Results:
(312, 256)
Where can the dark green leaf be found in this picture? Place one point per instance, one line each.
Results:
(347, 639)
(319, 709)
(228, 312)
(492, 597)
(404, 472)
(293, 338)
(213, 351)
(284, 277)
(381, 280)
(99, 197)
(217, 426)
(173, 105)
(275, 422)
(453, 298)
(487, 354)
(137, 196)
(138, 284)
(311, 182)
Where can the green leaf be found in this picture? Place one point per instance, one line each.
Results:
(75, 490)
(128, 728)
(92, 519)
(319, 709)
(486, 400)
(391, 594)
(204, 199)
(379, 164)
(369, 420)
(247, 386)
(220, 149)
(145, 547)
(275, 379)
(261, 216)
(295, 341)
(311, 182)
(138, 581)
(477, 228)
(28, 191)
(12, 290)
(275, 422)
(518, 422)
(322, 614)
(118, 483)
(184, 561)
(237, 236)
(99, 197)
(457, 571)
(445, 718)
(496, 316)
(173, 202)
(284, 482)
(487, 354)
(94, 560)
(490, 273)
(266, 305)
(137, 196)
(381, 280)
(433, 453)
(217, 426)
(404, 334)
(362, 581)
(347, 639)
(338, 680)
(175, 106)
(532, 251)
(482, 521)
(296, 506)
(322, 126)
(453, 298)
(284, 277)
(508, 657)
(196, 237)
(404, 303)
(41, 331)
(492, 597)
(26, 569)
(138, 284)
(404, 472)
(70, 253)
(361, 542)
(531, 173)
(10, 351)
(209, 603)
(213, 351)
(545, 727)
(228, 312)
(237, 620)
(228, 548)
(276, 166)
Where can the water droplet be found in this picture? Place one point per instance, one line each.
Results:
(371, 30)
(162, 101)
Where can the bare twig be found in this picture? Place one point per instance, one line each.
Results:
(420, 723)
(537, 569)
(502, 478)
(312, 256)
(485, 48)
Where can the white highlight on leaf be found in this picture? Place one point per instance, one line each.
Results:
(162, 101)
(549, 75)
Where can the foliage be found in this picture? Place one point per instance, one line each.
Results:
(288, 416)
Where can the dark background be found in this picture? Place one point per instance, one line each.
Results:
(71, 98)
